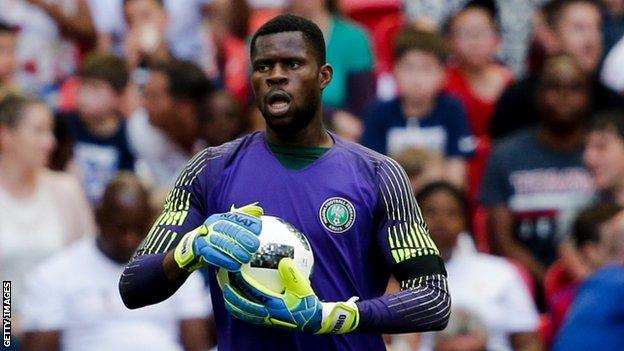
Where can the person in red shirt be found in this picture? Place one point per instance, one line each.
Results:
(475, 77)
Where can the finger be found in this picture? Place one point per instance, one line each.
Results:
(252, 209)
(246, 306)
(247, 240)
(229, 247)
(294, 281)
(218, 258)
(250, 287)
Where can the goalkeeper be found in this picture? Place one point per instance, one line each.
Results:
(355, 206)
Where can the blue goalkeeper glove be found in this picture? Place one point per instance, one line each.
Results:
(225, 240)
(298, 308)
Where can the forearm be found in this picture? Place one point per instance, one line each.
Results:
(79, 26)
(150, 279)
(422, 305)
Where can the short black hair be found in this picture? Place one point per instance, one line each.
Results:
(553, 10)
(185, 79)
(430, 42)
(312, 34)
(608, 120)
(108, 68)
(445, 187)
(586, 227)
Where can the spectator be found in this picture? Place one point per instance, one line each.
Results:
(591, 243)
(604, 155)
(41, 211)
(575, 28)
(83, 311)
(98, 128)
(596, 319)
(532, 199)
(515, 18)
(487, 287)
(184, 34)
(8, 42)
(51, 38)
(145, 41)
(422, 116)
(475, 77)
(348, 51)
(164, 135)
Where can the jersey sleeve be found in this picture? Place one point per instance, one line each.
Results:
(423, 304)
(402, 233)
(143, 281)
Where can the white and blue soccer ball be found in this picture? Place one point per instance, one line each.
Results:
(278, 239)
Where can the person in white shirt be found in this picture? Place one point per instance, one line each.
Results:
(73, 301)
(41, 211)
(485, 287)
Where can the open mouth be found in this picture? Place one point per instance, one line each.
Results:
(278, 102)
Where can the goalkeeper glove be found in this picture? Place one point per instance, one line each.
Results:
(225, 240)
(298, 308)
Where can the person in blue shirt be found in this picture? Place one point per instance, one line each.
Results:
(596, 320)
(422, 116)
(97, 128)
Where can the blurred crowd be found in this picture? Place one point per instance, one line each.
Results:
(507, 115)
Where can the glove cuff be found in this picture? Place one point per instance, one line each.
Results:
(184, 254)
(339, 317)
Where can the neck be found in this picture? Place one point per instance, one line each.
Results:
(18, 180)
(417, 109)
(472, 71)
(314, 135)
(105, 126)
(559, 139)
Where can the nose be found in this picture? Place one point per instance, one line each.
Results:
(277, 76)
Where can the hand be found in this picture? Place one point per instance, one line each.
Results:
(298, 308)
(225, 240)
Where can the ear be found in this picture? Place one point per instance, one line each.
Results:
(325, 75)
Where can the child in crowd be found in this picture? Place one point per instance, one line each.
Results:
(97, 127)
(422, 116)
(475, 78)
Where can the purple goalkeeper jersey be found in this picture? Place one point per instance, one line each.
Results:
(354, 205)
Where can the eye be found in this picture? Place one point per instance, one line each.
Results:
(294, 64)
(262, 68)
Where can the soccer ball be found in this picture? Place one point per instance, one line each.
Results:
(278, 239)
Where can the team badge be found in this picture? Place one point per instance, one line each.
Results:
(337, 214)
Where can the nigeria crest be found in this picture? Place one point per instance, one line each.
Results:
(337, 214)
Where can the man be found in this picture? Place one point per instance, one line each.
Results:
(535, 182)
(72, 300)
(164, 135)
(297, 171)
(575, 29)
(604, 155)
(596, 319)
